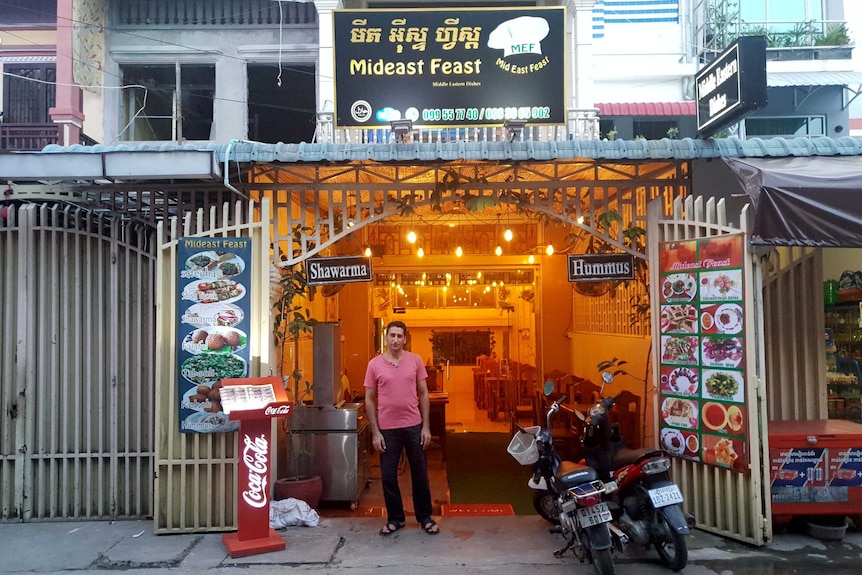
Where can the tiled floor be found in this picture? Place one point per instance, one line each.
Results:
(461, 417)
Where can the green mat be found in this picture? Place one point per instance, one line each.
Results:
(481, 471)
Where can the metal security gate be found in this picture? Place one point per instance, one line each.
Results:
(76, 378)
(196, 473)
(729, 503)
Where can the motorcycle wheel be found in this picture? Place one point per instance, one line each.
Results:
(672, 548)
(603, 562)
(545, 504)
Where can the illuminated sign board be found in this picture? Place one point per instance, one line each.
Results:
(732, 86)
(449, 67)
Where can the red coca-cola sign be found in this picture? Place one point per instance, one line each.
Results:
(255, 460)
(276, 411)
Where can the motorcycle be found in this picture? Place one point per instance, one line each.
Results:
(567, 494)
(646, 504)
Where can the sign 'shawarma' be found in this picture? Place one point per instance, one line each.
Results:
(449, 68)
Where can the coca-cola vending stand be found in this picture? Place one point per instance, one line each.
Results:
(253, 402)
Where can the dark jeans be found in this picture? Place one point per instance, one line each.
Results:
(406, 439)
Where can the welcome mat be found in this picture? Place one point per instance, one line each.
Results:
(476, 509)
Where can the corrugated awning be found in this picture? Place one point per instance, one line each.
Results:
(647, 109)
(788, 79)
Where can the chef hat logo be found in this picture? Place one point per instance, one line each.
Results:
(520, 35)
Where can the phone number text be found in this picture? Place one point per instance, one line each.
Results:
(485, 114)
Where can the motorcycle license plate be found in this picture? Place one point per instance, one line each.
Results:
(663, 496)
(593, 515)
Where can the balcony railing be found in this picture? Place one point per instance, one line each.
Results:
(581, 124)
(185, 13)
(28, 137)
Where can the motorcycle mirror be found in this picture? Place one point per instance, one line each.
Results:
(607, 377)
(549, 387)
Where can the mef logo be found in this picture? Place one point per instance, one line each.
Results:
(523, 48)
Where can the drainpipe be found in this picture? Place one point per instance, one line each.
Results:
(226, 182)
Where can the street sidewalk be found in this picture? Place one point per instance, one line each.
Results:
(502, 545)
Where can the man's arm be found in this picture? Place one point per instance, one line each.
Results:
(425, 410)
(377, 440)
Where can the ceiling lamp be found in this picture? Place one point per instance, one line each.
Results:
(507, 235)
(531, 259)
(411, 237)
(550, 249)
(459, 252)
(499, 250)
(368, 252)
(420, 253)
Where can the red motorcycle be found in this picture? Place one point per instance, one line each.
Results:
(646, 504)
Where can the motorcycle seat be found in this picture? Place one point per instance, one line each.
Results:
(627, 456)
(570, 474)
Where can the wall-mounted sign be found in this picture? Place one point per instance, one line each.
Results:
(600, 267)
(732, 86)
(338, 270)
(449, 67)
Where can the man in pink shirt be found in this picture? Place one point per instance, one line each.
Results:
(396, 401)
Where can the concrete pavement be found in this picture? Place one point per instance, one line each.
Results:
(502, 545)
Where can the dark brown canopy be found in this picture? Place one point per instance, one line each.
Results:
(804, 201)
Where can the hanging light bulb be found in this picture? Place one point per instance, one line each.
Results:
(368, 252)
(531, 259)
(499, 250)
(411, 237)
(507, 235)
(459, 252)
(420, 253)
(550, 250)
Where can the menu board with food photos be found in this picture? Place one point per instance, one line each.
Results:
(213, 319)
(702, 370)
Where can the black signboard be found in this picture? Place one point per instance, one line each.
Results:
(732, 86)
(213, 327)
(338, 270)
(600, 267)
(449, 67)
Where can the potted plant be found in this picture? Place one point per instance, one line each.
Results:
(291, 319)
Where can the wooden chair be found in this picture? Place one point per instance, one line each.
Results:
(627, 413)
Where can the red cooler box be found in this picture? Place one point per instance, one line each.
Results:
(815, 468)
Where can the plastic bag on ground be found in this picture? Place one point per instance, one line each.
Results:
(291, 512)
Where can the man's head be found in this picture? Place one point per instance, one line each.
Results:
(396, 334)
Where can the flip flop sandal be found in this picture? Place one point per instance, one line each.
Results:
(429, 527)
(391, 528)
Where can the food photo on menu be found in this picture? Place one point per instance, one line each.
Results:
(225, 291)
(722, 451)
(680, 443)
(680, 412)
(679, 318)
(679, 349)
(680, 287)
(722, 285)
(721, 351)
(723, 385)
(677, 256)
(680, 380)
(722, 418)
(215, 265)
(721, 251)
(203, 315)
(725, 318)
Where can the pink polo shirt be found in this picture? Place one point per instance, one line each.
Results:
(397, 400)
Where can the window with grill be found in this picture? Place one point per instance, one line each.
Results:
(28, 93)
